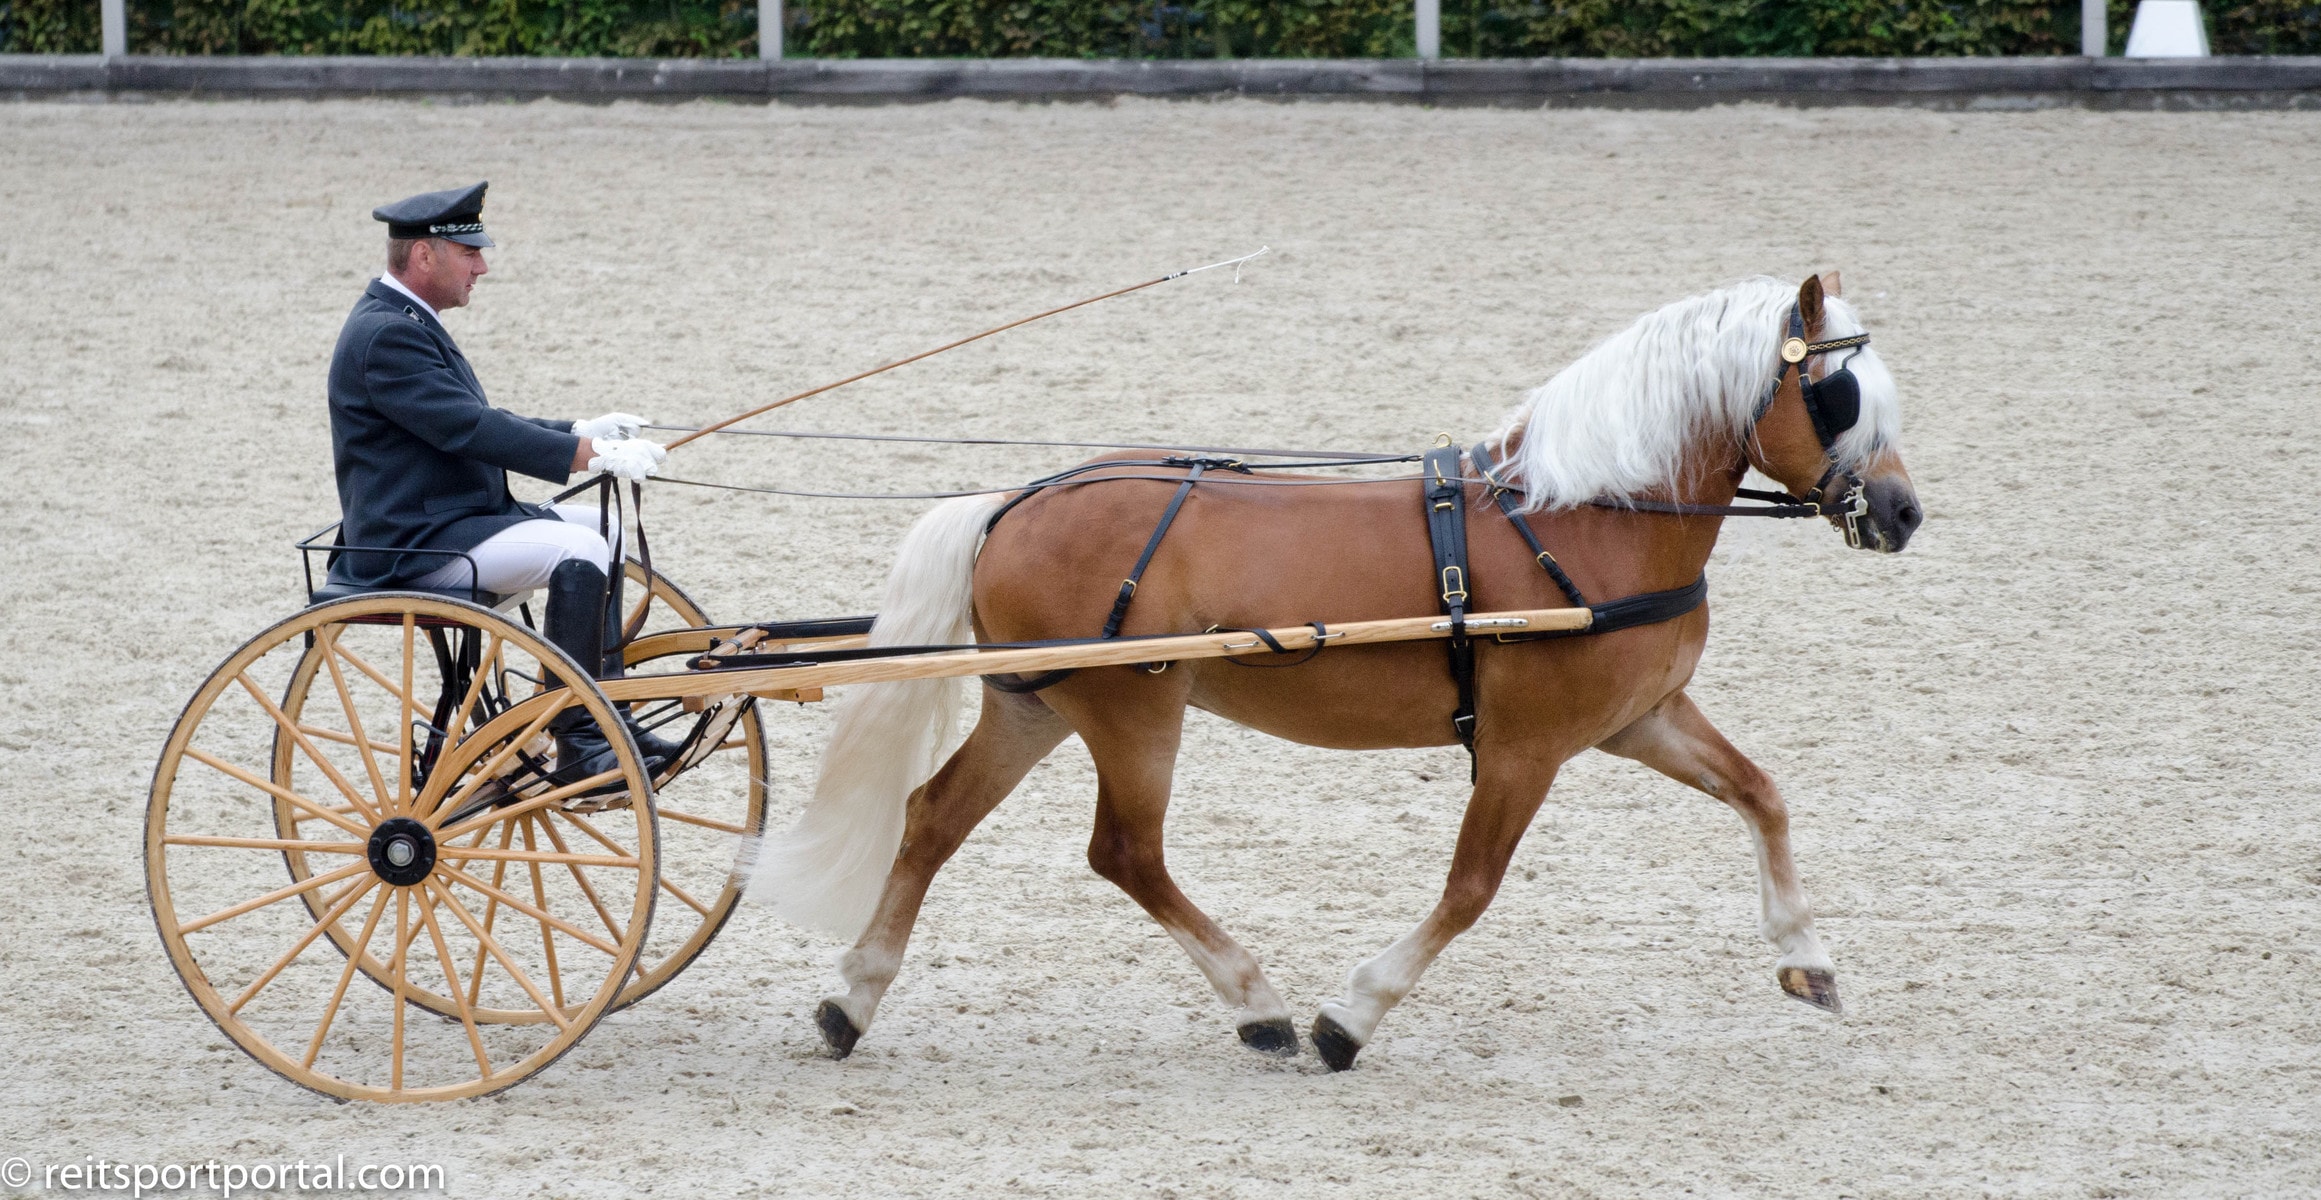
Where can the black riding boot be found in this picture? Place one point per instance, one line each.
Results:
(574, 621)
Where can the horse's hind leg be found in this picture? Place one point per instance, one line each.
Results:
(1135, 754)
(1676, 740)
(1508, 791)
(1012, 735)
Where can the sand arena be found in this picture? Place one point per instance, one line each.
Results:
(2051, 771)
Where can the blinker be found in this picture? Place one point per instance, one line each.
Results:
(1835, 403)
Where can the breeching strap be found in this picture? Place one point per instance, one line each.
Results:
(1119, 614)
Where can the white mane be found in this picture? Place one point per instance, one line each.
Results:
(1619, 421)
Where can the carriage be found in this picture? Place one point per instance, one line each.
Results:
(364, 789)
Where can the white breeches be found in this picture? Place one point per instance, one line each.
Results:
(522, 556)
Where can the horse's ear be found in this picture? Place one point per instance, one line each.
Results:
(1809, 302)
(1830, 286)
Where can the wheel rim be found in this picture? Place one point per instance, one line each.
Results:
(719, 797)
(523, 928)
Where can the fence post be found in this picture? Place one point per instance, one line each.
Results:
(769, 28)
(114, 16)
(1430, 29)
(2094, 39)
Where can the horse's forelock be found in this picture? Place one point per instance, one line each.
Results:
(1880, 425)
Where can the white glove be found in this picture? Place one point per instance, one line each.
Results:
(626, 458)
(611, 425)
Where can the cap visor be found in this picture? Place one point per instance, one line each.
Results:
(478, 240)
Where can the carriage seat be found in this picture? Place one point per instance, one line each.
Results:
(341, 591)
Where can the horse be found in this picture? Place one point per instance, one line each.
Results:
(1626, 461)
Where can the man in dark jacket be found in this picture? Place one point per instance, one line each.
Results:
(422, 460)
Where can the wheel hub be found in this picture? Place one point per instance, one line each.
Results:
(402, 851)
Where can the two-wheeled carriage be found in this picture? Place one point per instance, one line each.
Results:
(364, 789)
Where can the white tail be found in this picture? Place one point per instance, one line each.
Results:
(826, 872)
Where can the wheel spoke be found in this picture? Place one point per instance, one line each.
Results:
(330, 917)
(592, 831)
(339, 994)
(507, 964)
(243, 843)
(547, 935)
(535, 856)
(346, 700)
(670, 814)
(403, 933)
(403, 782)
(491, 907)
(343, 739)
(534, 804)
(306, 743)
(276, 790)
(475, 1040)
(485, 665)
(379, 677)
(541, 915)
(491, 768)
(690, 902)
(277, 895)
(586, 889)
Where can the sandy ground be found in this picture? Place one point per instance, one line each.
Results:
(2052, 770)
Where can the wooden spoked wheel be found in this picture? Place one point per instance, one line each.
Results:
(432, 852)
(711, 798)
(720, 799)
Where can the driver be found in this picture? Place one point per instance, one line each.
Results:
(422, 462)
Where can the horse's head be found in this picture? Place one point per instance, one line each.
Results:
(1826, 431)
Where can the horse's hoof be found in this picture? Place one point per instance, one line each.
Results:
(1816, 987)
(1336, 1046)
(838, 1031)
(1277, 1037)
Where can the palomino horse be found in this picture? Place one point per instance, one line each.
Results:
(1667, 415)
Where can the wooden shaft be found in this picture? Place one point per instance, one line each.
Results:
(953, 664)
(706, 639)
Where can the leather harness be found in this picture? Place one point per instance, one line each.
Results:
(1443, 484)
(1444, 491)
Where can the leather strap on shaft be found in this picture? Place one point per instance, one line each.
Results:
(1446, 527)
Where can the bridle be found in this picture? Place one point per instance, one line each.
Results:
(1834, 404)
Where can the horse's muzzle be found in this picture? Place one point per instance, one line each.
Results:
(1893, 515)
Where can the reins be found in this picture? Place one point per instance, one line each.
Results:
(1443, 488)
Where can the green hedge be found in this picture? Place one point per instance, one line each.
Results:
(1143, 29)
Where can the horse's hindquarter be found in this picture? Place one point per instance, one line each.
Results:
(1253, 555)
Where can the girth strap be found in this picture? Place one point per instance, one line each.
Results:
(1446, 529)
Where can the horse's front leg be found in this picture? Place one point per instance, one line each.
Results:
(1508, 791)
(1676, 740)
